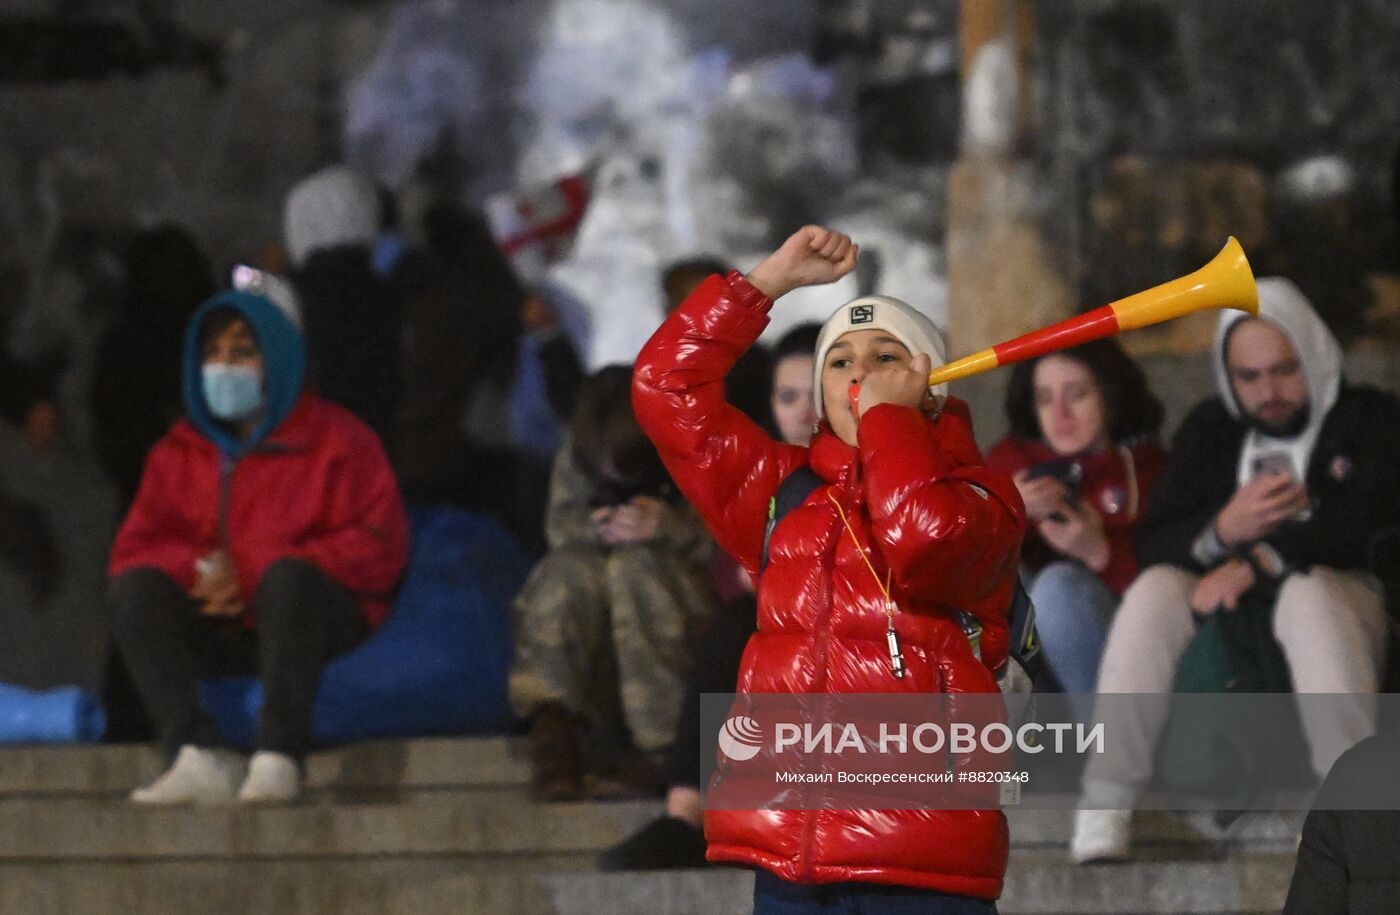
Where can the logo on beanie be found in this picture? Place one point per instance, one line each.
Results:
(862, 314)
(741, 738)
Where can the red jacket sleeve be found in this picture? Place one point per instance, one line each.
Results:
(160, 530)
(1122, 567)
(363, 542)
(721, 460)
(949, 529)
(1006, 457)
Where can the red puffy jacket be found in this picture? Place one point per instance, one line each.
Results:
(945, 543)
(317, 488)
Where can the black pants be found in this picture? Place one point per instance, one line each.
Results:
(304, 620)
(714, 658)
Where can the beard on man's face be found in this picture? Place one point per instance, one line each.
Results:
(1274, 419)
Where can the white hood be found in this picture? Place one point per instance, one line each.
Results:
(1283, 304)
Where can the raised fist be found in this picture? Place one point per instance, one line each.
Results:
(810, 257)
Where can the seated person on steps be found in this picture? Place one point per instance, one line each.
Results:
(267, 535)
(1084, 455)
(604, 622)
(1267, 510)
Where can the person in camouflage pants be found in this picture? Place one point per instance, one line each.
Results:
(602, 624)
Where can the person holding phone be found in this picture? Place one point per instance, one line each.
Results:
(1275, 497)
(1084, 454)
(604, 621)
(676, 838)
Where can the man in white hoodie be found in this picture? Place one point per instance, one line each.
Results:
(1275, 491)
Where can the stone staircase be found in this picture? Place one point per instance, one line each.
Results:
(435, 826)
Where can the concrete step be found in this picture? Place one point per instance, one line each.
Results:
(1173, 831)
(482, 762)
(1037, 884)
(445, 826)
(475, 823)
(1041, 883)
(455, 824)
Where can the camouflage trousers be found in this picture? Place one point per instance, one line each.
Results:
(603, 632)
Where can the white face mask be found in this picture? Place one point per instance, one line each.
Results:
(232, 392)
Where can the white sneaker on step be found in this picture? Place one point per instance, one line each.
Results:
(198, 776)
(1100, 835)
(273, 778)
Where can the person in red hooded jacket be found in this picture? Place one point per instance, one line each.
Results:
(267, 534)
(900, 464)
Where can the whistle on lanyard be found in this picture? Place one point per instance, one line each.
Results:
(853, 397)
(896, 656)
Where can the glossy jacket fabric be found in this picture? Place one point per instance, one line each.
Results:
(925, 511)
(1108, 482)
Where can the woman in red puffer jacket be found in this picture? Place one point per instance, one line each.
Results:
(899, 462)
(1084, 455)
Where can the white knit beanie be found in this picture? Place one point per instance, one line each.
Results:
(336, 206)
(899, 319)
(270, 286)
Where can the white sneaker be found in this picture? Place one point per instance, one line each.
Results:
(1100, 835)
(198, 776)
(273, 778)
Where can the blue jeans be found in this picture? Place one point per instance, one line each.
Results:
(773, 895)
(1072, 611)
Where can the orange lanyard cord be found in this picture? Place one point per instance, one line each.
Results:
(885, 586)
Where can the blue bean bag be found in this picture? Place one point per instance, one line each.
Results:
(65, 715)
(437, 665)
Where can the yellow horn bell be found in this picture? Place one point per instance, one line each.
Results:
(1225, 282)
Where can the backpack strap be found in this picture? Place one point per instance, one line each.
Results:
(792, 492)
(1025, 639)
(1024, 644)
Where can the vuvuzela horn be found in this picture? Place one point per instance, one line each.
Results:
(1225, 282)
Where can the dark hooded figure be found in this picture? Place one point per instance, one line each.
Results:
(136, 382)
(352, 320)
(477, 343)
(353, 330)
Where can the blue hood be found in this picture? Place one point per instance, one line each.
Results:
(284, 364)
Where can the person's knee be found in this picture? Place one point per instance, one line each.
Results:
(1323, 600)
(632, 561)
(287, 585)
(563, 575)
(580, 562)
(289, 573)
(1309, 594)
(1060, 581)
(1157, 588)
(138, 593)
(641, 578)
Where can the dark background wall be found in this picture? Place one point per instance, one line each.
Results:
(1164, 126)
(1158, 127)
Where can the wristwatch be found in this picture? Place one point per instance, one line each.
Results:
(1267, 560)
(1207, 548)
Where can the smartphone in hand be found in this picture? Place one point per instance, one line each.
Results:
(1275, 463)
(1271, 463)
(1068, 471)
